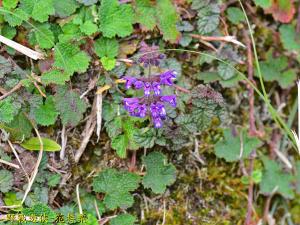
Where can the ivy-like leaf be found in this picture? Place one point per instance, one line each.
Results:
(70, 106)
(10, 4)
(46, 114)
(275, 180)
(117, 186)
(69, 57)
(235, 15)
(7, 110)
(65, 8)
(6, 181)
(16, 17)
(124, 219)
(167, 17)
(88, 27)
(38, 9)
(230, 147)
(106, 47)
(115, 18)
(145, 14)
(55, 76)
(159, 174)
(289, 38)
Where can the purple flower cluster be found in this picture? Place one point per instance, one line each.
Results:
(152, 84)
(150, 55)
(141, 107)
(153, 105)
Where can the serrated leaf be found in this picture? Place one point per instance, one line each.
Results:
(117, 186)
(10, 199)
(5, 66)
(55, 76)
(88, 27)
(124, 219)
(65, 8)
(159, 173)
(274, 69)
(7, 111)
(33, 144)
(106, 47)
(120, 144)
(44, 36)
(289, 37)
(46, 114)
(108, 63)
(115, 18)
(16, 17)
(69, 57)
(167, 17)
(10, 4)
(40, 210)
(8, 32)
(225, 71)
(230, 147)
(274, 180)
(145, 14)
(70, 106)
(54, 180)
(38, 9)
(6, 181)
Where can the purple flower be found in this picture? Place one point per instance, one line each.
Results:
(147, 88)
(156, 88)
(129, 81)
(134, 107)
(157, 122)
(150, 55)
(171, 99)
(138, 84)
(166, 78)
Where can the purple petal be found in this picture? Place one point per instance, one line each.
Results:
(147, 88)
(157, 122)
(171, 99)
(138, 84)
(129, 81)
(156, 88)
(166, 78)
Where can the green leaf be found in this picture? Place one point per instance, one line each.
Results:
(226, 72)
(108, 63)
(88, 27)
(230, 147)
(106, 47)
(274, 180)
(70, 106)
(7, 110)
(46, 114)
(44, 36)
(38, 9)
(40, 210)
(6, 181)
(8, 32)
(145, 14)
(289, 37)
(274, 69)
(167, 17)
(65, 8)
(19, 128)
(16, 17)
(124, 219)
(117, 186)
(55, 76)
(115, 18)
(10, 199)
(69, 57)
(120, 144)
(235, 15)
(10, 4)
(33, 144)
(263, 3)
(54, 180)
(159, 174)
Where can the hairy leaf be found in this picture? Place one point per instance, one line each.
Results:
(7, 110)
(38, 9)
(159, 174)
(55, 76)
(106, 47)
(46, 114)
(115, 18)
(65, 8)
(6, 181)
(117, 186)
(124, 219)
(70, 106)
(145, 14)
